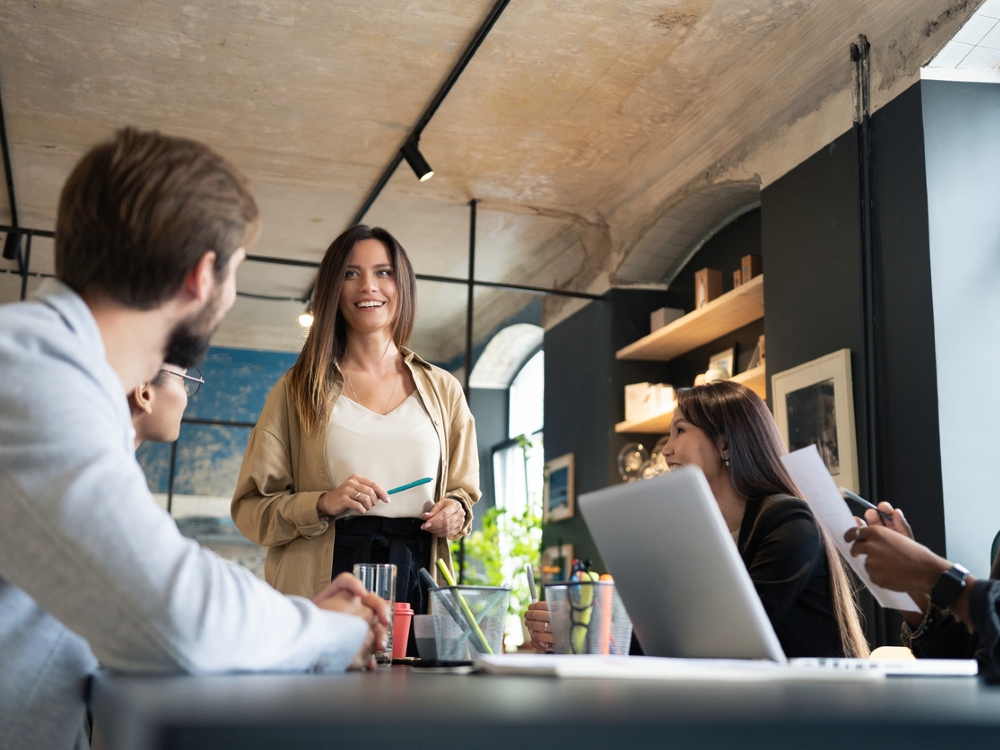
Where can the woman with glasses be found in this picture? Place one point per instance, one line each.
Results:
(357, 415)
(157, 406)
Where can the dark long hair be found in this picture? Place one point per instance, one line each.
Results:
(735, 418)
(327, 340)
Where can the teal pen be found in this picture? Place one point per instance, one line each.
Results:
(411, 485)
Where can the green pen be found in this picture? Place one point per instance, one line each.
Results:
(409, 486)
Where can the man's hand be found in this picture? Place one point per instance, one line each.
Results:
(896, 562)
(346, 594)
(536, 620)
(897, 521)
(445, 519)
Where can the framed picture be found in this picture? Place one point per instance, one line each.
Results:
(814, 404)
(724, 361)
(556, 562)
(559, 498)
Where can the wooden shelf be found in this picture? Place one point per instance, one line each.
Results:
(659, 423)
(755, 380)
(723, 315)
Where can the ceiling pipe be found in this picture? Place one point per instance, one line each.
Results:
(11, 245)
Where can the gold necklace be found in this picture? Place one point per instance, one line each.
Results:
(391, 394)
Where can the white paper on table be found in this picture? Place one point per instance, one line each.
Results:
(831, 510)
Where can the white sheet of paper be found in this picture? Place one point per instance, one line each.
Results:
(819, 490)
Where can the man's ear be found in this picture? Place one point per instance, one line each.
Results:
(141, 399)
(200, 281)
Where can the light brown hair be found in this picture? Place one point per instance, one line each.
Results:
(138, 212)
(733, 416)
(310, 376)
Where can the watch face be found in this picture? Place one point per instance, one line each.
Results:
(949, 587)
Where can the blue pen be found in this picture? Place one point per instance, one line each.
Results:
(409, 486)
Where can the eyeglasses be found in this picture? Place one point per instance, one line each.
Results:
(191, 382)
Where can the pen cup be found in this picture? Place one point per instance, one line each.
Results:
(469, 620)
(588, 617)
(381, 581)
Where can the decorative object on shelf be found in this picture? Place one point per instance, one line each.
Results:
(707, 286)
(725, 361)
(737, 279)
(814, 404)
(715, 374)
(559, 496)
(664, 317)
(556, 562)
(757, 357)
(752, 267)
(630, 461)
(644, 400)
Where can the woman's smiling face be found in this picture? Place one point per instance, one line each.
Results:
(690, 446)
(368, 298)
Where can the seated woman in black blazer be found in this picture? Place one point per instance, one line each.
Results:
(726, 429)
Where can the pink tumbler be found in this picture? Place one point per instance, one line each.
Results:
(401, 629)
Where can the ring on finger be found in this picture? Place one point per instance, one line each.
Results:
(357, 495)
(857, 534)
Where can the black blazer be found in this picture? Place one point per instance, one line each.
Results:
(782, 547)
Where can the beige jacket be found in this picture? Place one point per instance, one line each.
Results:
(284, 472)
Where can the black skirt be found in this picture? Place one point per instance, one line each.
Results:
(396, 541)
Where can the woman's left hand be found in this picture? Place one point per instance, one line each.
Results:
(445, 519)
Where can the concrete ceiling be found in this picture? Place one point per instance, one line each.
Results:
(604, 139)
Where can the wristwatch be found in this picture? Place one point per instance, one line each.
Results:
(949, 587)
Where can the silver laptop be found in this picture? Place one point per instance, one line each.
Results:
(684, 584)
(677, 570)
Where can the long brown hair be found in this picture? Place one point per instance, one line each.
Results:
(327, 341)
(736, 418)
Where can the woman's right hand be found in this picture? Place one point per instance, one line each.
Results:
(357, 493)
(536, 620)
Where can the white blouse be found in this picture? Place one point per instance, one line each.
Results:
(393, 449)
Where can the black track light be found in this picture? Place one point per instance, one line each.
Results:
(417, 161)
(12, 246)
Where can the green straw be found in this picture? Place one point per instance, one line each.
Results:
(464, 605)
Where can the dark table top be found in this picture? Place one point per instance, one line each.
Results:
(407, 707)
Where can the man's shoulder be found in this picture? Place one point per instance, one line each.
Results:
(51, 373)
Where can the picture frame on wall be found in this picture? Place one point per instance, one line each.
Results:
(814, 405)
(556, 563)
(559, 496)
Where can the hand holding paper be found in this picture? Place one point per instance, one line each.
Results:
(819, 490)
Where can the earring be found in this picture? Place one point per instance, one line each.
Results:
(726, 460)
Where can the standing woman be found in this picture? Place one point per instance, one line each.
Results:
(357, 414)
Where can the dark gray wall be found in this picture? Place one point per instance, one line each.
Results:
(908, 454)
(490, 408)
(585, 397)
(962, 149)
(723, 252)
(812, 276)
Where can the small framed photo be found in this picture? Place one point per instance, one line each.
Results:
(724, 361)
(814, 405)
(556, 563)
(559, 498)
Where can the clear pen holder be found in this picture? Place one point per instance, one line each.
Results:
(469, 620)
(588, 617)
